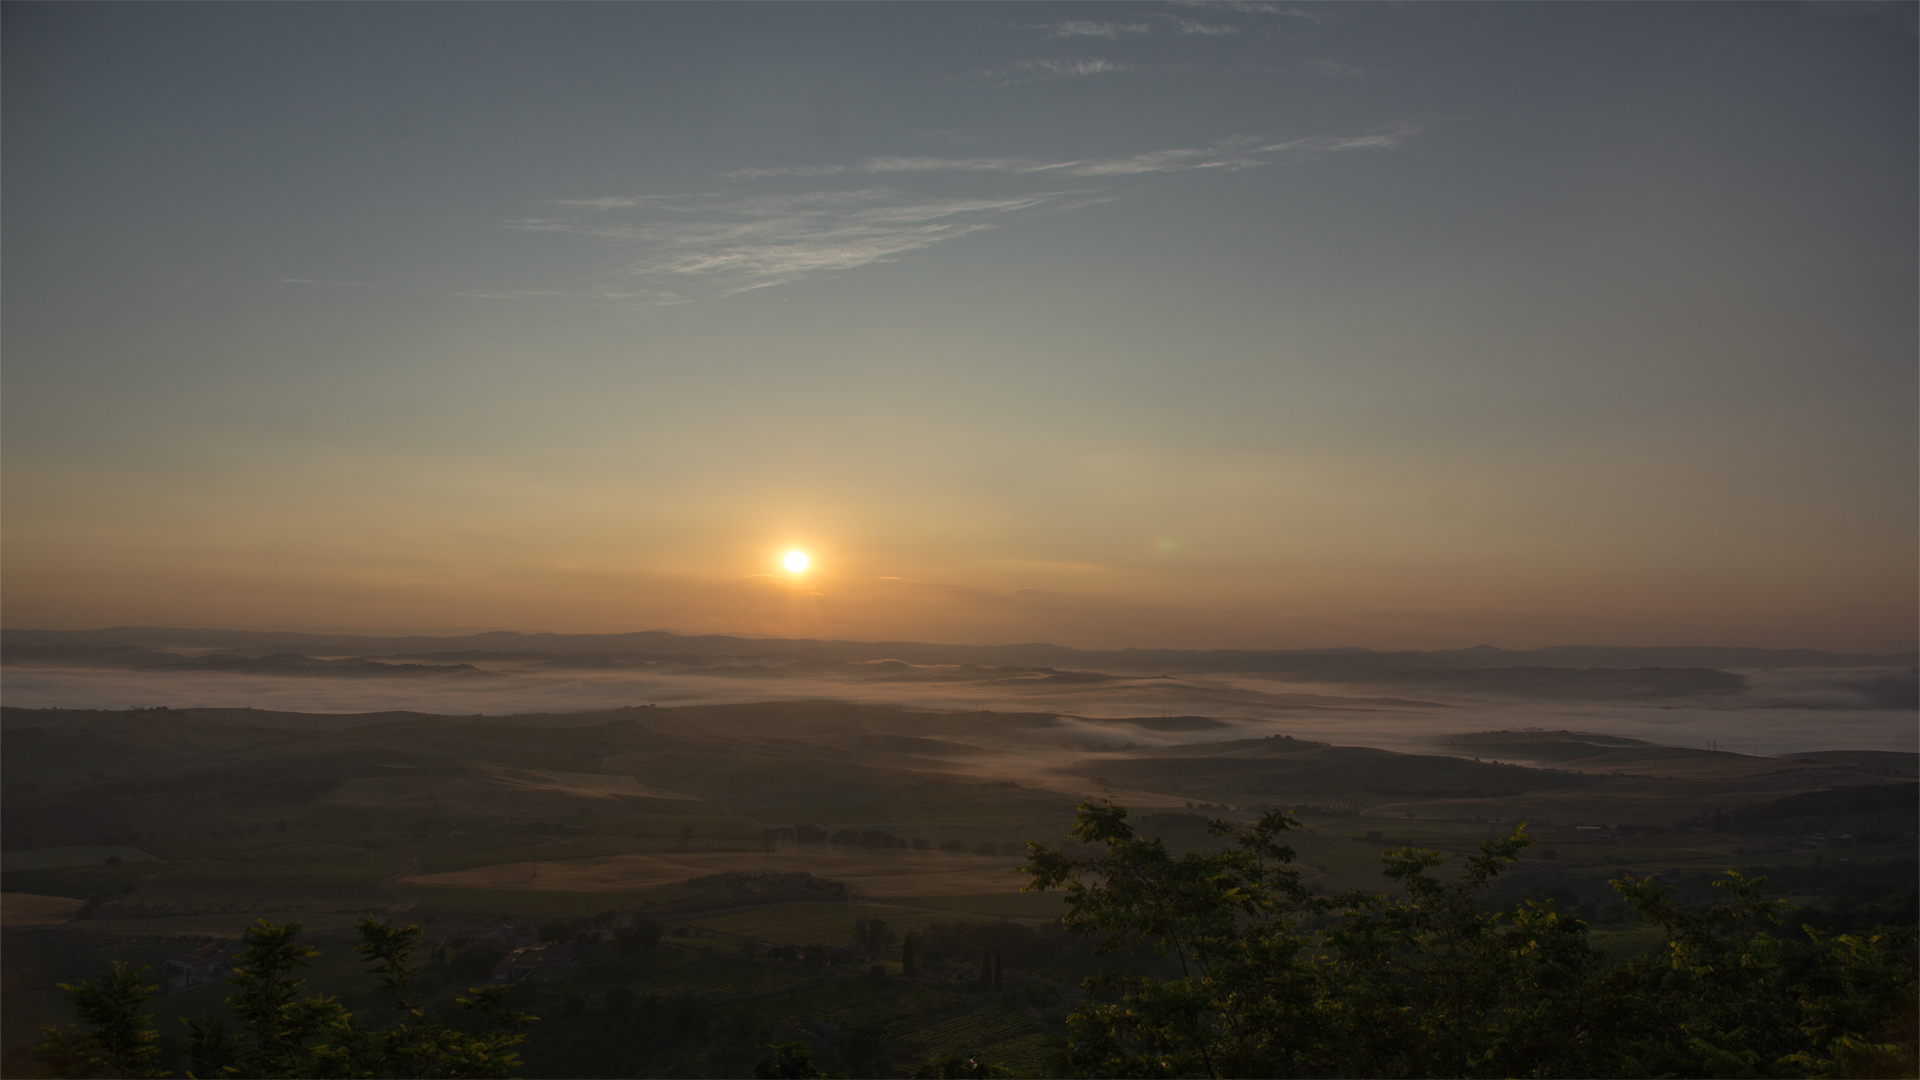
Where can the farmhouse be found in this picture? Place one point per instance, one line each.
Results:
(522, 963)
(186, 970)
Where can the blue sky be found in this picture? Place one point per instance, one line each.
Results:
(1209, 324)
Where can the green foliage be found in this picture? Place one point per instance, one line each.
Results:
(118, 1040)
(283, 1034)
(643, 934)
(1276, 981)
(955, 1065)
(790, 1061)
(875, 936)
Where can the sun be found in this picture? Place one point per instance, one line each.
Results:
(795, 561)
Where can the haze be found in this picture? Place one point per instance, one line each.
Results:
(1236, 325)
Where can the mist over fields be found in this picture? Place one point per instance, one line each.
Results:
(1746, 700)
(611, 824)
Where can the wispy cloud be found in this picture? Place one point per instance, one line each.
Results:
(1188, 26)
(1260, 7)
(1238, 152)
(1088, 28)
(1381, 139)
(681, 247)
(673, 249)
(939, 164)
(1022, 71)
(791, 170)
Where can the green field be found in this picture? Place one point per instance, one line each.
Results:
(436, 860)
(360, 868)
(1040, 905)
(816, 924)
(716, 823)
(83, 882)
(298, 853)
(994, 1032)
(482, 841)
(224, 925)
(1618, 946)
(853, 1003)
(705, 967)
(1022, 1055)
(74, 855)
(531, 904)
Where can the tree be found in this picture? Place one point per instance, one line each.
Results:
(118, 1040)
(906, 955)
(790, 1061)
(285, 1035)
(643, 934)
(1276, 981)
(875, 937)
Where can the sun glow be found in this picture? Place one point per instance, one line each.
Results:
(795, 561)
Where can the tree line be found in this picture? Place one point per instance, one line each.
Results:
(1276, 981)
(281, 1033)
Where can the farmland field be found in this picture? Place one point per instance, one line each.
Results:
(876, 873)
(26, 909)
(816, 924)
(356, 869)
(75, 855)
(983, 1028)
(531, 903)
(480, 829)
(1036, 905)
(439, 860)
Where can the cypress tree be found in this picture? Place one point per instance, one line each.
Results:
(986, 968)
(906, 955)
(996, 969)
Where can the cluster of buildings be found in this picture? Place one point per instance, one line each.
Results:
(184, 971)
(520, 964)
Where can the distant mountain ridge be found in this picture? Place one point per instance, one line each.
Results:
(1345, 660)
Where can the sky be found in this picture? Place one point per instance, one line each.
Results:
(1248, 325)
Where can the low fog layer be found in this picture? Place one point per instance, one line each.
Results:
(1367, 702)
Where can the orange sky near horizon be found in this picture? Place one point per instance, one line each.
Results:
(409, 560)
(1361, 325)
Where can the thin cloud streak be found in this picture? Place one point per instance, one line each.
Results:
(1088, 28)
(1188, 26)
(1238, 152)
(724, 245)
(678, 248)
(1025, 71)
(1256, 7)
